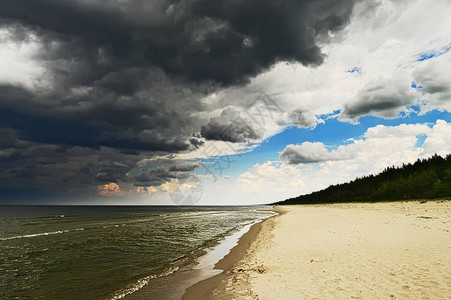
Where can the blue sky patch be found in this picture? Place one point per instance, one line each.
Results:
(420, 140)
(415, 86)
(333, 133)
(357, 70)
(433, 53)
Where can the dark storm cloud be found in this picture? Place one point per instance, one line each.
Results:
(220, 40)
(60, 168)
(310, 153)
(118, 122)
(230, 127)
(155, 177)
(165, 172)
(382, 98)
(125, 80)
(184, 167)
(9, 140)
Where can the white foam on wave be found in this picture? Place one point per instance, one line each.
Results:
(39, 234)
(214, 254)
(139, 284)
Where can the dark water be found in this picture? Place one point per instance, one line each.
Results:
(103, 252)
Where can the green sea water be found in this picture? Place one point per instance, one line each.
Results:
(50, 252)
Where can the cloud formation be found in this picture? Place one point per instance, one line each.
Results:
(300, 118)
(433, 79)
(231, 126)
(109, 190)
(164, 171)
(309, 152)
(382, 97)
(380, 147)
(91, 90)
(105, 84)
(218, 40)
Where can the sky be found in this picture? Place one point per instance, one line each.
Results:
(216, 102)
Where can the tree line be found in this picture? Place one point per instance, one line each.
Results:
(425, 179)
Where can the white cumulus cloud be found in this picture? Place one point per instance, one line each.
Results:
(380, 147)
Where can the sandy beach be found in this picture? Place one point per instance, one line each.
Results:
(398, 250)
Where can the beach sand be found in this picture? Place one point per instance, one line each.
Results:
(397, 250)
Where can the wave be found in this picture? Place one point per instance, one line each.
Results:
(39, 234)
(139, 284)
(189, 258)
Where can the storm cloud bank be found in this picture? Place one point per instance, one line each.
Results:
(219, 40)
(124, 80)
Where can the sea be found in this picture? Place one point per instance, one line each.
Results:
(105, 252)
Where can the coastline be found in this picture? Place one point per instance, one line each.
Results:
(349, 250)
(203, 289)
(202, 268)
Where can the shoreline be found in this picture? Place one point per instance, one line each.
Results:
(378, 250)
(204, 267)
(202, 289)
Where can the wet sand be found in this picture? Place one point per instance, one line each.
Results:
(174, 285)
(204, 289)
(397, 250)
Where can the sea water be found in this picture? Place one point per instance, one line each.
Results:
(74, 252)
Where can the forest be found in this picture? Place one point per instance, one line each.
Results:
(425, 179)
